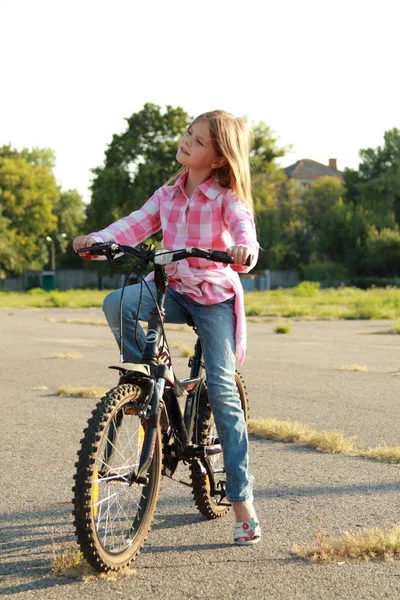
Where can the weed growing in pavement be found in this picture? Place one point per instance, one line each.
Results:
(332, 442)
(82, 392)
(367, 544)
(288, 431)
(283, 328)
(65, 557)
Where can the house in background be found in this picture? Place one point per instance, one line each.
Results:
(306, 171)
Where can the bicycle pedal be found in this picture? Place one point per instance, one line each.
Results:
(214, 449)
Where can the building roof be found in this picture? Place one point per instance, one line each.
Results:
(307, 169)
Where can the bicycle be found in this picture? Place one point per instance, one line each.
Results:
(138, 432)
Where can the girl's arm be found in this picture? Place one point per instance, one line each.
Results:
(240, 224)
(136, 227)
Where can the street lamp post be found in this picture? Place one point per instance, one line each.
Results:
(53, 249)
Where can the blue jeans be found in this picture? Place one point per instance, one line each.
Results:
(215, 324)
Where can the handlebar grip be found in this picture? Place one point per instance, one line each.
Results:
(225, 258)
(91, 250)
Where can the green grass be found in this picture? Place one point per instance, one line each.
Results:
(332, 303)
(306, 301)
(55, 299)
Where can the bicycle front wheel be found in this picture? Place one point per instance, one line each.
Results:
(113, 516)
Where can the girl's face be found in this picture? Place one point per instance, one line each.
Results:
(196, 150)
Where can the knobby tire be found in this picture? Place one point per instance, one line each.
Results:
(112, 516)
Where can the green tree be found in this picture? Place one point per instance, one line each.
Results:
(70, 211)
(382, 256)
(337, 230)
(275, 202)
(319, 198)
(8, 246)
(28, 194)
(376, 183)
(137, 162)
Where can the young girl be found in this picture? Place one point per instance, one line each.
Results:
(209, 206)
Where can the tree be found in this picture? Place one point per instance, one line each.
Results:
(275, 202)
(382, 257)
(376, 184)
(337, 230)
(137, 162)
(70, 211)
(28, 194)
(8, 247)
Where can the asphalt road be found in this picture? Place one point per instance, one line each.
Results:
(299, 492)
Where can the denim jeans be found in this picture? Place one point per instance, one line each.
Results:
(215, 324)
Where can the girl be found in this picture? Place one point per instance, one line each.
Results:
(210, 206)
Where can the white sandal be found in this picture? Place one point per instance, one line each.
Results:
(249, 530)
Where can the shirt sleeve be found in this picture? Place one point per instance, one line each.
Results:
(136, 227)
(239, 222)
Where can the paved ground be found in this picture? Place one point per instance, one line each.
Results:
(299, 492)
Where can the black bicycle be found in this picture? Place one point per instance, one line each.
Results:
(138, 432)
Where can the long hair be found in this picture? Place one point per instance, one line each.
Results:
(231, 138)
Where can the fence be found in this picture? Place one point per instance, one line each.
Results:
(65, 279)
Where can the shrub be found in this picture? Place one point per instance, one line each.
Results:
(57, 299)
(307, 289)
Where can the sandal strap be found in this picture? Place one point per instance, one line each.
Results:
(247, 529)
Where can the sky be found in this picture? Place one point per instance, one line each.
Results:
(324, 76)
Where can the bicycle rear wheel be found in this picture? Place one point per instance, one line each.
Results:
(205, 433)
(113, 516)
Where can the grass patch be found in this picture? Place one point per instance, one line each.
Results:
(302, 435)
(77, 321)
(283, 328)
(367, 544)
(81, 392)
(67, 355)
(307, 300)
(54, 299)
(40, 388)
(353, 367)
(383, 453)
(393, 330)
(65, 558)
(332, 442)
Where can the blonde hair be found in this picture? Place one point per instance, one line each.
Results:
(231, 138)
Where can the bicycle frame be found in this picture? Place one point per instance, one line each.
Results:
(163, 391)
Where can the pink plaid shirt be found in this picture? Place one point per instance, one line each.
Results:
(213, 217)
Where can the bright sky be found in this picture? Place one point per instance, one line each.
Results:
(323, 75)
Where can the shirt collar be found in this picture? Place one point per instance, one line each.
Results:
(210, 188)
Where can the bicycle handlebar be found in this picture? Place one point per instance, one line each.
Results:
(147, 253)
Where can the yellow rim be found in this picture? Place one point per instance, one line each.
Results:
(95, 491)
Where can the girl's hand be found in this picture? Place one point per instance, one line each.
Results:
(83, 241)
(239, 254)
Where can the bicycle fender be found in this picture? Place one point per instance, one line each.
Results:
(125, 367)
